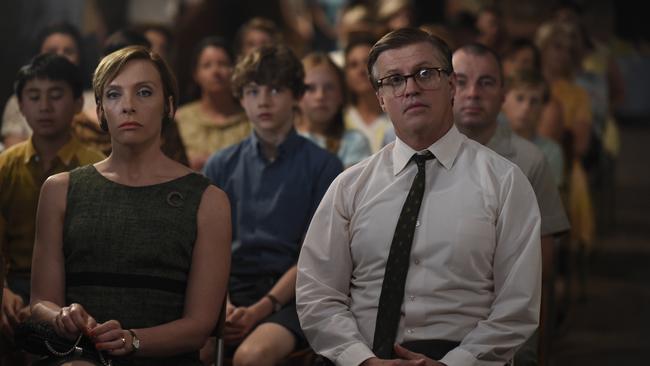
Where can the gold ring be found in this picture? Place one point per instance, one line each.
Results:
(123, 341)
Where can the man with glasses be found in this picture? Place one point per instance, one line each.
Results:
(428, 252)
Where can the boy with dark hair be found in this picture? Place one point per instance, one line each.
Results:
(275, 179)
(49, 92)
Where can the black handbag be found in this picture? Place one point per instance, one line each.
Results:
(39, 338)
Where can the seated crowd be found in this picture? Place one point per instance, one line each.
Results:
(282, 197)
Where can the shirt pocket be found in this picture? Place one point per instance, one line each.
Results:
(473, 251)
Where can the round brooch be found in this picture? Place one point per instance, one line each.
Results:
(175, 199)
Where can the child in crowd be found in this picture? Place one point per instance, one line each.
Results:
(275, 179)
(527, 93)
(322, 111)
(49, 94)
(62, 39)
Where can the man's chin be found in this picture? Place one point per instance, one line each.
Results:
(471, 122)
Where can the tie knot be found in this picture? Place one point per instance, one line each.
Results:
(420, 159)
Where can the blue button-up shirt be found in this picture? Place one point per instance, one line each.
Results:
(272, 202)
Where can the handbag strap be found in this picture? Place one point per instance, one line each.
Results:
(78, 351)
(75, 347)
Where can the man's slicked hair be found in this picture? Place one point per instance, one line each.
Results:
(405, 37)
(482, 50)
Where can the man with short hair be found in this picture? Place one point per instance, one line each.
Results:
(479, 96)
(428, 252)
(49, 92)
(274, 180)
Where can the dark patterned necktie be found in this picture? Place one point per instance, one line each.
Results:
(397, 265)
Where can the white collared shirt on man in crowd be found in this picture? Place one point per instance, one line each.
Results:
(475, 269)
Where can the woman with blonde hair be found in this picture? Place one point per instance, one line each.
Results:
(132, 252)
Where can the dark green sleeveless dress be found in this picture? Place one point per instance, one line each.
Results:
(128, 251)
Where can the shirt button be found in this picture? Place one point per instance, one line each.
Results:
(410, 331)
(412, 298)
(417, 262)
(417, 223)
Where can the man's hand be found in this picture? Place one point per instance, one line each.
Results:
(405, 354)
(13, 309)
(406, 358)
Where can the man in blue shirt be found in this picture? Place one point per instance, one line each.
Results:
(275, 179)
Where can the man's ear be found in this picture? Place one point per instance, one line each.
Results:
(452, 87)
(380, 98)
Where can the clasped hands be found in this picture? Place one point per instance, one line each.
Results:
(109, 336)
(405, 358)
(240, 320)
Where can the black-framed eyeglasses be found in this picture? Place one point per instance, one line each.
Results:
(427, 78)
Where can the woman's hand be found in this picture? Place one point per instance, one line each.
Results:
(110, 337)
(73, 320)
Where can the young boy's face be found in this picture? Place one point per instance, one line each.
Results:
(270, 109)
(523, 107)
(48, 106)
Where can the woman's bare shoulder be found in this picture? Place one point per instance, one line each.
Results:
(56, 182)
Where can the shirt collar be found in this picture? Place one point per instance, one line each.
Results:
(290, 142)
(65, 153)
(445, 150)
(30, 151)
(501, 141)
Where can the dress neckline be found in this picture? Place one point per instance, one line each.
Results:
(103, 177)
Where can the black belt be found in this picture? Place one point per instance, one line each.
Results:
(435, 349)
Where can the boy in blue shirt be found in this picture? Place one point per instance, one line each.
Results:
(275, 180)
